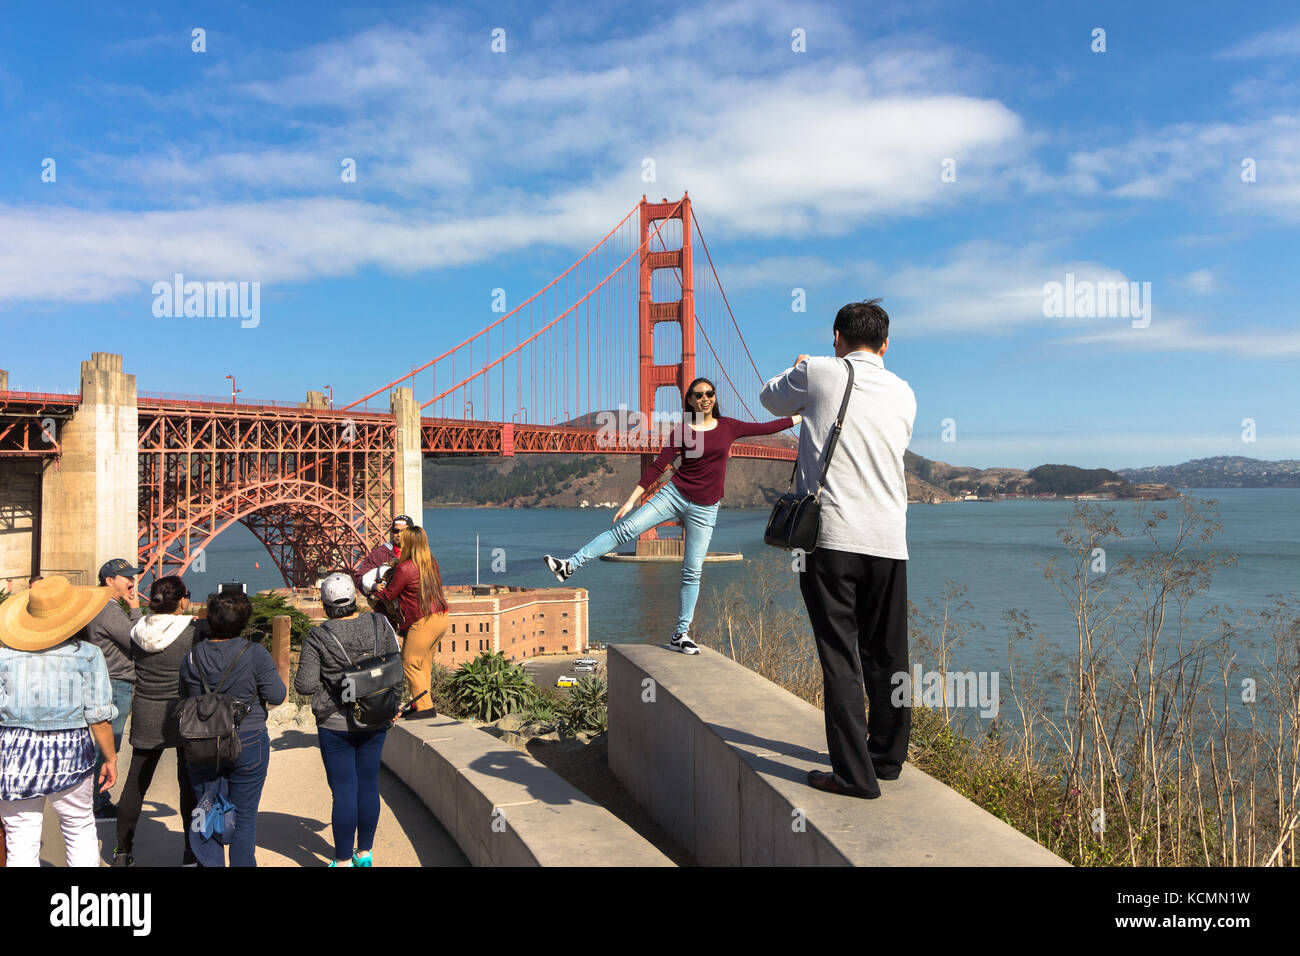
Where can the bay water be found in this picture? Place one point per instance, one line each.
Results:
(995, 550)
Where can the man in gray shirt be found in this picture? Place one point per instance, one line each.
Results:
(111, 633)
(854, 583)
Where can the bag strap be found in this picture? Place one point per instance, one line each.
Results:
(225, 673)
(834, 438)
(380, 622)
(346, 656)
(374, 638)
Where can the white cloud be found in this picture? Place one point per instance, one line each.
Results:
(1176, 332)
(1190, 159)
(1201, 281)
(1283, 42)
(490, 154)
(988, 288)
(788, 272)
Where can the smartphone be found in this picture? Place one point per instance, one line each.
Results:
(233, 586)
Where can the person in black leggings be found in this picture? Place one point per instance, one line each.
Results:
(159, 643)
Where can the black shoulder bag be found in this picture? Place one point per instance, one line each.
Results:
(372, 687)
(209, 723)
(796, 519)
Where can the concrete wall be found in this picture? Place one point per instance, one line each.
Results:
(89, 505)
(719, 757)
(409, 489)
(502, 807)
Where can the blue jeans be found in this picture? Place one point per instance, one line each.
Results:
(697, 523)
(352, 769)
(123, 692)
(245, 780)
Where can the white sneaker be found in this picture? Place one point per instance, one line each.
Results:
(681, 642)
(561, 569)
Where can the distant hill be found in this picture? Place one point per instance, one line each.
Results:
(1064, 480)
(1225, 471)
(565, 481)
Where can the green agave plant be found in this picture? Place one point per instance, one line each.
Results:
(489, 687)
(588, 705)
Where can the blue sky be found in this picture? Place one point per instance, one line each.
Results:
(818, 170)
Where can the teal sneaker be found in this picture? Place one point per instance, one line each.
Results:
(336, 863)
(361, 859)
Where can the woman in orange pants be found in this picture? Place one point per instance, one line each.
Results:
(416, 586)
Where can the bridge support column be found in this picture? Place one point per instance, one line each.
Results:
(408, 480)
(89, 505)
(4, 380)
(650, 313)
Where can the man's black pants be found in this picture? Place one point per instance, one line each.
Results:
(857, 604)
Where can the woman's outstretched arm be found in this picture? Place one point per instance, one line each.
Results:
(632, 499)
(745, 429)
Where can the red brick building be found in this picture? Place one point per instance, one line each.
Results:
(519, 622)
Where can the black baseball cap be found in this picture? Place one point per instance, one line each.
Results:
(406, 518)
(118, 567)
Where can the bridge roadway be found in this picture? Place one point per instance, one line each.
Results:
(293, 821)
(21, 432)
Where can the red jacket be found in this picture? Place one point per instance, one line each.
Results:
(405, 589)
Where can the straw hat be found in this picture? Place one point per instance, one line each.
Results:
(49, 613)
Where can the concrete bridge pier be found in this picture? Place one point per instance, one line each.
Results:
(408, 485)
(90, 504)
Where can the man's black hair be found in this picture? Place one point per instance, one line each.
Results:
(863, 325)
(228, 613)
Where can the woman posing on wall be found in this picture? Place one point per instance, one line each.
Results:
(691, 496)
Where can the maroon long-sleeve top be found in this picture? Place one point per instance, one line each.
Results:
(702, 474)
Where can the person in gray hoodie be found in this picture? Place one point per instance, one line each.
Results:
(110, 631)
(160, 641)
(349, 750)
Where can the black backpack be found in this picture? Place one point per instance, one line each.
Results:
(209, 723)
(371, 689)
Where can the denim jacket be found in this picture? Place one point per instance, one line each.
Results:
(61, 688)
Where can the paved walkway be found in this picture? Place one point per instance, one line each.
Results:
(293, 826)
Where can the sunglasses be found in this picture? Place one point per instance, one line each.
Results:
(708, 394)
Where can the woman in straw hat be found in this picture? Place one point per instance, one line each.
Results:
(54, 695)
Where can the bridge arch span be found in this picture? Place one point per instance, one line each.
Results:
(305, 526)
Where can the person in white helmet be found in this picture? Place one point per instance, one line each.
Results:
(350, 747)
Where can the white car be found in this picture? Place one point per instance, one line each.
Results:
(587, 661)
(585, 668)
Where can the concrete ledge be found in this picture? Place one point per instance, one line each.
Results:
(720, 759)
(668, 558)
(502, 807)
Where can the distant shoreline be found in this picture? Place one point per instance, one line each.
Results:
(911, 501)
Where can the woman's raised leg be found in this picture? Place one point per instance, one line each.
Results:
(658, 509)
